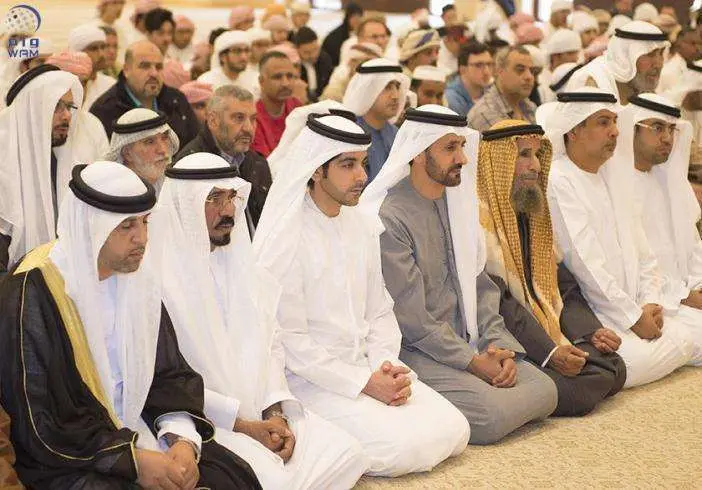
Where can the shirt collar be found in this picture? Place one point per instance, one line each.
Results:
(136, 101)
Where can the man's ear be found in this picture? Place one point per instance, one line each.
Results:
(317, 175)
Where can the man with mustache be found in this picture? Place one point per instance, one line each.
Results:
(433, 260)
(93, 378)
(601, 238)
(508, 98)
(277, 76)
(223, 308)
(144, 142)
(377, 94)
(230, 125)
(631, 65)
(540, 300)
(38, 143)
(140, 84)
(340, 335)
(92, 40)
(229, 63)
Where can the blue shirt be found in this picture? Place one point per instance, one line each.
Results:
(381, 142)
(458, 98)
(136, 101)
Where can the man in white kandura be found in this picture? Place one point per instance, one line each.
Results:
(340, 334)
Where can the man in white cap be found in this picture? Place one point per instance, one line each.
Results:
(299, 16)
(420, 47)
(654, 136)
(109, 15)
(228, 131)
(475, 68)
(376, 94)
(560, 10)
(143, 141)
(261, 42)
(564, 46)
(340, 335)
(631, 65)
(223, 307)
(229, 60)
(181, 49)
(508, 98)
(38, 154)
(140, 84)
(92, 40)
(433, 262)
(428, 84)
(590, 196)
(586, 25)
(109, 401)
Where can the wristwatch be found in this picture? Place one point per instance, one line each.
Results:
(172, 438)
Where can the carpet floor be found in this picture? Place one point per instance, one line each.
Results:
(646, 437)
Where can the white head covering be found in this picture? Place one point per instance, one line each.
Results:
(225, 331)
(429, 73)
(537, 55)
(672, 174)
(557, 119)
(646, 12)
(563, 41)
(25, 132)
(558, 5)
(617, 21)
(225, 41)
(258, 34)
(583, 21)
(413, 138)
(561, 75)
(623, 52)
(135, 298)
(689, 81)
(294, 124)
(492, 17)
(135, 125)
(84, 35)
(278, 232)
(370, 80)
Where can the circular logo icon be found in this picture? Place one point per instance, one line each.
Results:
(22, 19)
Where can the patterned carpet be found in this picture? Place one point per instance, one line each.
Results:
(647, 437)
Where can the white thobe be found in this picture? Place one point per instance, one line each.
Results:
(338, 326)
(247, 79)
(671, 74)
(95, 88)
(324, 456)
(585, 229)
(179, 424)
(184, 56)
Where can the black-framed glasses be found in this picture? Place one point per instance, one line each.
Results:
(67, 106)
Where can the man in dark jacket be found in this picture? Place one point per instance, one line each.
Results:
(317, 66)
(228, 131)
(332, 43)
(140, 84)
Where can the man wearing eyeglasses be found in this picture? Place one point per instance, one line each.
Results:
(92, 40)
(651, 128)
(475, 67)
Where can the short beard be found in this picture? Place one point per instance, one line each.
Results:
(640, 85)
(439, 176)
(148, 170)
(221, 241)
(527, 199)
(60, 141)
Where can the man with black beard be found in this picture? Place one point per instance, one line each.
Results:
(38, 153)
(540, 301)
(228, 131)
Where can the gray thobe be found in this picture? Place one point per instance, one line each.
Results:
(420, 274)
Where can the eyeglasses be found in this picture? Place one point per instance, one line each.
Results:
(65, 106)
(660, 129)
(221, 200)
(482, 65)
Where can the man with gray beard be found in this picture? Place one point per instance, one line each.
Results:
(229, 129)
(143, 141)
(540, 300)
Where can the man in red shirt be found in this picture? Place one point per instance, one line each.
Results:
(277, 78)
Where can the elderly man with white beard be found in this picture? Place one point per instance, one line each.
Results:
(223, 308)
(144, 142)
(590, 195)
(338, 328)
(631, 65)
